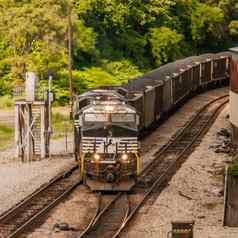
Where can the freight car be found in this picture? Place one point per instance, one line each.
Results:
(109, 120)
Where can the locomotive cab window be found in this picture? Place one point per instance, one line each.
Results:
(127, 120)
(113, 117)
(95, 117)
(123, 117)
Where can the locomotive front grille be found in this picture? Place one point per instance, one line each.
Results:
(106, 145)
(99, 170)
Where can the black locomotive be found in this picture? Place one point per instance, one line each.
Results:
(109, 121)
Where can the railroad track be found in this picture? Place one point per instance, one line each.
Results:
(186, 138)
(112, 211)
(110, 221)
(24, 215)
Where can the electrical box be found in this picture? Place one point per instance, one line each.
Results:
(182, 230)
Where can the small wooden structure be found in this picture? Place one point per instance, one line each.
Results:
(231, 201)
(32, 126)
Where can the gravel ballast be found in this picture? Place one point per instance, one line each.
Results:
(18, 180)
(194, 193)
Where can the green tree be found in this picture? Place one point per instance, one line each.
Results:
(113, 40)
(233, 27)
(37, 37)
(166, 44)
(35, 34)
(122, 26)
(206, 25)
(5, 85)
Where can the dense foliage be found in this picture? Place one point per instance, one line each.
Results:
(233, 169)
(113, 40)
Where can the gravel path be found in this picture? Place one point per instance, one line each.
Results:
(18, 180)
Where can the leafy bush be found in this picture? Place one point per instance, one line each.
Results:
(233, 169)
(206, 25)
(6, 135)
(61, 124)
(122, 70)
(166, 44)
(233, 27)
(59, 118)
(113, 73)
(6, 102)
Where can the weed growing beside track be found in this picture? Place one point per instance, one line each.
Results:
(6, 135)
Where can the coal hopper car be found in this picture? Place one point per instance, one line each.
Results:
(110, 120)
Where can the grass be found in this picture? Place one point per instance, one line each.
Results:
(6, 102)
(60, 122)
(6, 136)
(233, 169)
(61, 125)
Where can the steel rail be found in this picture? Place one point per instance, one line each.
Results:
(181, 132)
(92, 221)
(178, 161)
(13, 229)
(99, 215)
(97, 211)
(36, 192)
(38, 215)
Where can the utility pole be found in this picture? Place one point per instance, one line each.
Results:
(49, 99)
(70, 58)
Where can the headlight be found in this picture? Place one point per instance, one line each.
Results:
(109, 108)
(96, 157)
(124, 157)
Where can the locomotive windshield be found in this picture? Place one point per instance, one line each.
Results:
(109, 124)
(109, 131)
(113, 117)
(109, 121)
